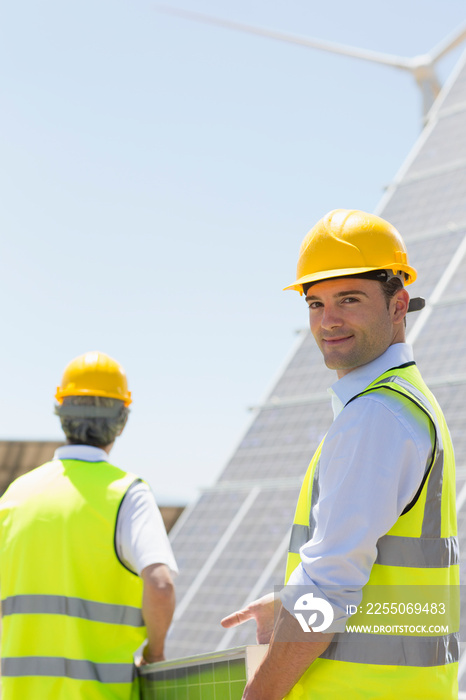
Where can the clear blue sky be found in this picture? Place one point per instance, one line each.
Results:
(157, 177)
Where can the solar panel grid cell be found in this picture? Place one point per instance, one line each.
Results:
(445, 146)
(434, 346)
(451, 399)
(273, 464)
(429, 205)
(432, 256)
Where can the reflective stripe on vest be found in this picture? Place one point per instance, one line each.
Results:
(420, 549)
(300, 534)
(398, 551)
(73, 607)
(387, 650)
(67, 668)
(417, 552)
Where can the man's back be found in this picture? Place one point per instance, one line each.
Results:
(71, 610)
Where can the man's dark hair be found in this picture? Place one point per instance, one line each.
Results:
(390, 288)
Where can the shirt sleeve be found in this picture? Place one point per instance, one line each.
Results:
(372, 463)
(141, 538)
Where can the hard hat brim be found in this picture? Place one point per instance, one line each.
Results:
(61, 394)
(349, 272)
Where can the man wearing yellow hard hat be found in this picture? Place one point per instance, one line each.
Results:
(374, 538)
(85, 563)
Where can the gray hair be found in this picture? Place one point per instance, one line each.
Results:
(92, 420)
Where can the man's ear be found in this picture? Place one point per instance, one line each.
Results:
(399, 305)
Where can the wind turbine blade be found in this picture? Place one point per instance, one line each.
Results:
(365, 55)
(450, 42)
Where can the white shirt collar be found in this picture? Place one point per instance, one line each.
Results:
(358, 379)
(83, 453)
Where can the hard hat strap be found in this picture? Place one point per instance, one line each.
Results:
(377, 275)
(416, 304)
(382, 275)
(81, 411)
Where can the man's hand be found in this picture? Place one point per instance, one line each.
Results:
(289, 655)
(147, 658)
(142, 661)
(262, 611)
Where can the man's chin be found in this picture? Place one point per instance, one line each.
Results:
(333, 363)
(339, 365)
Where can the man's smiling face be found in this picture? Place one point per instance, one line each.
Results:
(351, 323)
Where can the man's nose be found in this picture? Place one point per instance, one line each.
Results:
(330, 318)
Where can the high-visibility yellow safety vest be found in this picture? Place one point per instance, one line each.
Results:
(420, 552)
(71, 610)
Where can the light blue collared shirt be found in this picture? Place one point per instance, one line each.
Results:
(84, 453)
(358, 379)
(372, 462)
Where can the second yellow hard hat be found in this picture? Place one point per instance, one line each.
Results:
(94, 374)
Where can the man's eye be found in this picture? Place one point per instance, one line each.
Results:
(314, 304)
(350, 300)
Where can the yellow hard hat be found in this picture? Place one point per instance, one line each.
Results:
(348, 242)
(94, 374)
